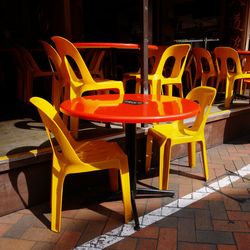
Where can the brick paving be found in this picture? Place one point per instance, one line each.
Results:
(219, 220)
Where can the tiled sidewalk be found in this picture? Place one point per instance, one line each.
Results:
(213, 215)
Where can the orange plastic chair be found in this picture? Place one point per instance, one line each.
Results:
(229, 70)
(168, 135)
(31, 71)
(60, 87)
(245, 63)
(205, 68)
(169, 70)
(73, 157)
(81, 81)
(188, 71)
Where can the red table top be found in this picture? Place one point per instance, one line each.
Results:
(85, 45)
(243, 52)
(130, 108)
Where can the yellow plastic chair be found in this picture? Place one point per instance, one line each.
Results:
(205, 68)
(153, 58)
(229, 70)
(81, 81)
(168, 135)
(73, 157)
(169, 70)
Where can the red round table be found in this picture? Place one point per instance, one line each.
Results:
(103, 45)
(112, 47)
(131, 109)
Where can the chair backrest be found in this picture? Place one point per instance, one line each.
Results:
(176, 55)
(188, 71)
(55, 60)
(205, 68)
(59, 77)
(29, 60)
(54, 124)
(227, 62)
(204, 95)
(68, 51)
(154, 57)
(245, 62)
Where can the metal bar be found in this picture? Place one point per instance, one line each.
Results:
(144, 68)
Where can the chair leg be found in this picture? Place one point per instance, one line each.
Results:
(180, 89)
(228, 93)
(164, 179)
(56, 201)
(149, 146)
(126, 194)
(192, 154)
(204, 159)
(74, 125)
(137, 86)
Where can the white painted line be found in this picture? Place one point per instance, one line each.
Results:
(121, 232)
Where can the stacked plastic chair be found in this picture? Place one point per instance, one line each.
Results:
(206, 73)
(60, 87)
(229, 70)
(169, 70)
(30, 71)
(154, 57)
(81, 80)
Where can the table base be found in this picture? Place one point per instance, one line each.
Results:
(130, 131)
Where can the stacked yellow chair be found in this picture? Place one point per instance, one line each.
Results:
(163, 77)
(168, 135)
(81, 80)
(72, 157)
(229, 70)
(154, 57)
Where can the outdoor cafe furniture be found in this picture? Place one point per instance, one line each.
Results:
(60, 86)
(168, 135)
(82, 81)
(112, 49)
(72, 157)
(205, 71)
(229, 70)
(245, 63)
(169, 70)
(30, 71)
(131, 109)
(154, 56)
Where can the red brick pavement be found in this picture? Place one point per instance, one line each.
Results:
(221, 220)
